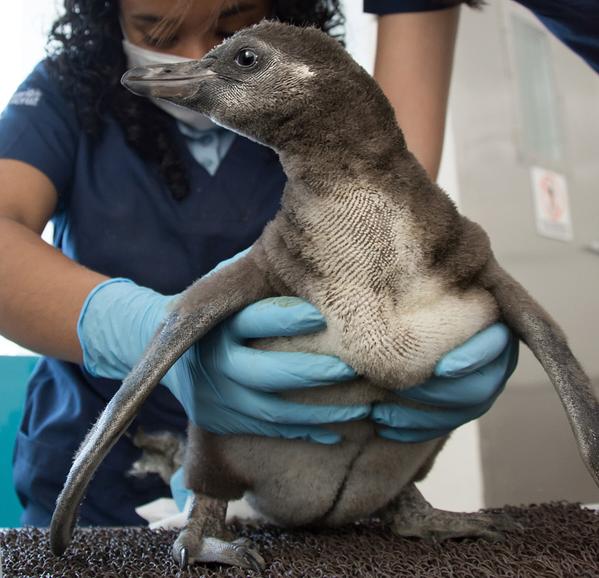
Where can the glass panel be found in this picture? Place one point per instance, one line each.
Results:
(537, 96)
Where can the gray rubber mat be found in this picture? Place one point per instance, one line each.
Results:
(555, 540)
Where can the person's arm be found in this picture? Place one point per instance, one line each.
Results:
(41, 290)
(413, 67)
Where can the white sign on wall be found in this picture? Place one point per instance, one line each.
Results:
(552, 204)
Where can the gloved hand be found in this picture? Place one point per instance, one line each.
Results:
(223, 386)
(233, 383)
(466, 383)
(178, 490)
(247, 379)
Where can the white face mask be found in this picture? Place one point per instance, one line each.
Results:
(138, 56)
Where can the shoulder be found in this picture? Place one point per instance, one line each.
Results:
(39, 95)
(38, 82)
(39, 127)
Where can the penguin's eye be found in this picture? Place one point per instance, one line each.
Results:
(246, 58)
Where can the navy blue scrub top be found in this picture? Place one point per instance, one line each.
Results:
(574, 22)
(116, 216)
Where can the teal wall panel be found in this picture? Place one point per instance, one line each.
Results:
(14, 373)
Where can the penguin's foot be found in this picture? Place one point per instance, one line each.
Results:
(411, 515)
(241, 553)
(206, 539)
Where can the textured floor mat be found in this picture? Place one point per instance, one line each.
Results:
(555, 540)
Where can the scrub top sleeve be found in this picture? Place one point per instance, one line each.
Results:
(382, 7)
(39, 127)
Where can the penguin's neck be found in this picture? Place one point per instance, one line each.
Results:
(323, 155)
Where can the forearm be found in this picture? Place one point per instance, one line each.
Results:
(41, 293)
(413, 67)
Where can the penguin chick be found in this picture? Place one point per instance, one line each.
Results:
(364, 235)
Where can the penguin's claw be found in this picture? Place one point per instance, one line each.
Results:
(183, 558)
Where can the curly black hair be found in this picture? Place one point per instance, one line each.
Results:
(85, 55)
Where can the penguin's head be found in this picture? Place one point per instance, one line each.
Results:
(269, 82)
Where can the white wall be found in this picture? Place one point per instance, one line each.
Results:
(528, 451)
(23, 30)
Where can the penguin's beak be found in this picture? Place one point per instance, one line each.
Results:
(178, 81)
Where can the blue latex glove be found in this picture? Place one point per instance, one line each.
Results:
(223, 386)
(119, 318)
(178, 490)
(248, 378)
(466, 383)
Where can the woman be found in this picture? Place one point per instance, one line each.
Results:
(415, 45)
(145, 199)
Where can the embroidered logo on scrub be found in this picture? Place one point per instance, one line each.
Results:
(29, 97)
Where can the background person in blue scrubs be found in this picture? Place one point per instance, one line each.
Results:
(145, 200)
(415, 46)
